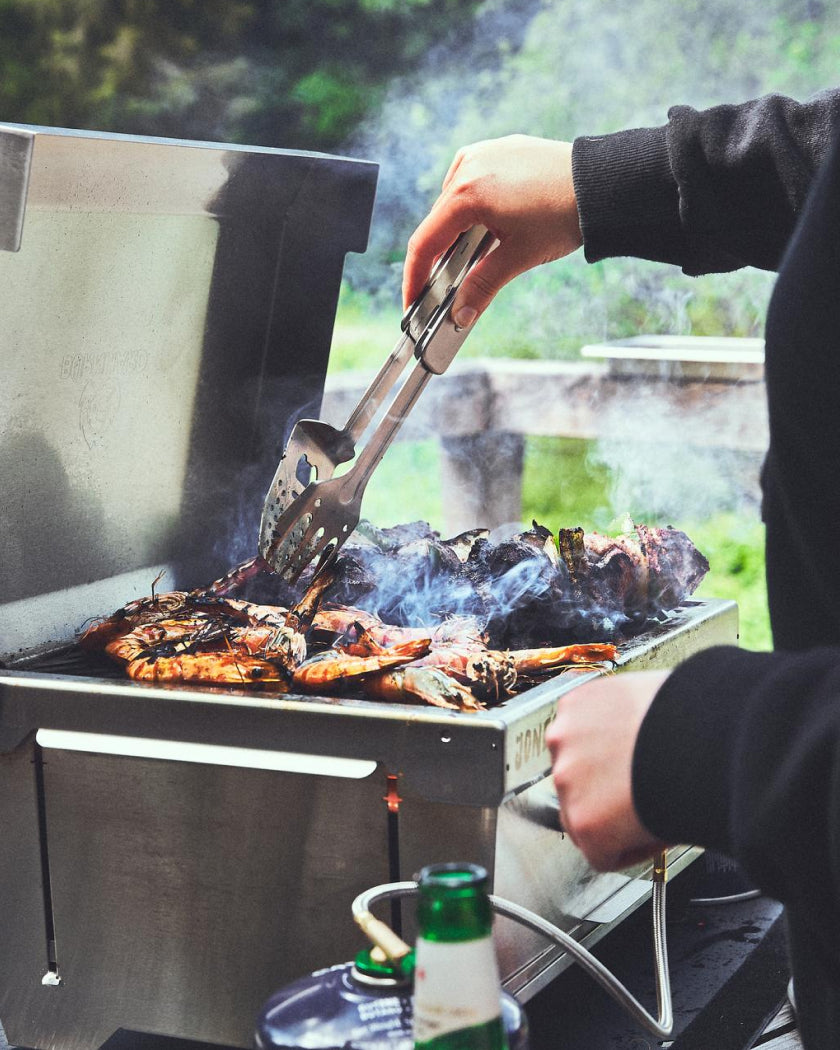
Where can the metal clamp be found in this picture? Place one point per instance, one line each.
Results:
(435, 335)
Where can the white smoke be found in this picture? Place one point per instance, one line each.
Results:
(563, 68)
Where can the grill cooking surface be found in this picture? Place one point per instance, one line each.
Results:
(65, 660)
(478, 757)
(72, 660)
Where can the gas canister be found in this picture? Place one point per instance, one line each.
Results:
(361, 1005)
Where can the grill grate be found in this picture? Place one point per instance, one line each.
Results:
(67, 659)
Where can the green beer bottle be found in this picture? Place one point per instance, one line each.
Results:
(457, 992)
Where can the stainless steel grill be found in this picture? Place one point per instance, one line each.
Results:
(173, 855)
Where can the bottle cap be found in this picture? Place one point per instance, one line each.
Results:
(372, 966)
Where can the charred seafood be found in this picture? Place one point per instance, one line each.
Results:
(524, 591)
(481, 618)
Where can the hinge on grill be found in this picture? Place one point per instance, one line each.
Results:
(15, 162)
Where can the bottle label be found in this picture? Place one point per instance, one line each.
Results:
(456, 985)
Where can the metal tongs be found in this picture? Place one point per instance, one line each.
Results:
(304, 520)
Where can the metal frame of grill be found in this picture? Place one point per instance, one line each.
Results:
(172, 856)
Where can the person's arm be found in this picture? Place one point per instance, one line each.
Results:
(740, 751)
(733, 750)
(711, 190)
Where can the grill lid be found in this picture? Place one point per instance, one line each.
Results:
(167, 317)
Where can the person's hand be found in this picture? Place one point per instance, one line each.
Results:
(521, 189)
(591, 740)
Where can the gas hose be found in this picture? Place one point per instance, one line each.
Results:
(660, 1026)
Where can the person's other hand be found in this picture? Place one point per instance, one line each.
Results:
(521, 189)
(591, 741)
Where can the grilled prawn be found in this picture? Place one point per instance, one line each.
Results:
(355, 628)
(221, 667)
(428, 684)
(540, 661)
(182, 636)
(489, 675)
(333, 668)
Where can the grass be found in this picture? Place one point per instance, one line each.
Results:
(563, 486)
(735, 549)
(362, 337)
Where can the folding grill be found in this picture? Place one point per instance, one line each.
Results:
(171, 856)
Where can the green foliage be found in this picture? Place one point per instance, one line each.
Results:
(362, 336)
(735, 549)
(293, 73)
(406, 83)
(585, 67)
(407, 469)
(564, 486)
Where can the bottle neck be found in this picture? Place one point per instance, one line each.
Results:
(454, 920)
(457, 992)
(453, 904)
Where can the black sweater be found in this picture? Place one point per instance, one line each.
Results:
(740, 751)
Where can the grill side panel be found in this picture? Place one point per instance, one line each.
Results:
(166, 319)
(184, 894)
(23, 926)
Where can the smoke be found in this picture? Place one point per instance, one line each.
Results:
(563, 68)
(660, 468)
(411, 136)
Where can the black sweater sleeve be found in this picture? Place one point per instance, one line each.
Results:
(740, 751)
(698, 191)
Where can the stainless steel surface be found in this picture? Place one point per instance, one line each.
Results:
(314, 450)
(476, 759)
(173, 855)
(24, 947)
(15, 158)
(317, 446)
(437, 339)
(298, 523)
(183, 892)
(160, 332)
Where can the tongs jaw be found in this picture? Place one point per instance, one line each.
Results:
(306, 520)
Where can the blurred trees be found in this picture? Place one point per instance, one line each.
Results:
(588, 67)
(294, 73)
(407, 82)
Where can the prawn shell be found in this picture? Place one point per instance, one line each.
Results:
(223, 667)
(330, 670)
(536, 661)
(143, 610)
(489, 674)
(430, 685)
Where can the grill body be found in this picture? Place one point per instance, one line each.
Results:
(171, 886)
(172, 856)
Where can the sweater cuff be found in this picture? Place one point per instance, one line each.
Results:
(628, 201)
(683, 755)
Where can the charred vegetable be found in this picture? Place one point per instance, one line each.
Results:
(403, 615)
